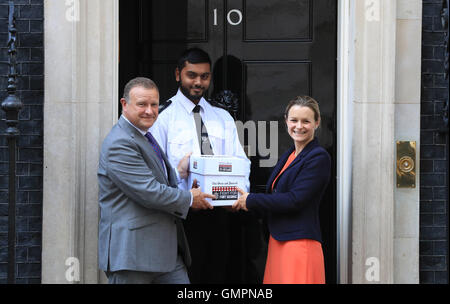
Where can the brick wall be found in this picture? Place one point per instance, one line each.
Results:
(30, 61)
(434, 150)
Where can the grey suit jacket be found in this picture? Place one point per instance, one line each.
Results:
(140, 208)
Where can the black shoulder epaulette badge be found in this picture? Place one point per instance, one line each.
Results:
(164, 105)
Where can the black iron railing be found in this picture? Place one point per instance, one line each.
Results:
(12, 105)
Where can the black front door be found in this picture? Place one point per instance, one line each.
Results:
(264, 51)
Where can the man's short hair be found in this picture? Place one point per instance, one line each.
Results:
(193, 56)
(138, 82)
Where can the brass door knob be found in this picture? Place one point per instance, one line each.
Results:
(406, 164)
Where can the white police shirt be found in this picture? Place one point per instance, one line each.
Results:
(176, 133)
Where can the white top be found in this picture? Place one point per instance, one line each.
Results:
(176, 133)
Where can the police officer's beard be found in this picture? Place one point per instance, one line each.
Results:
(194, 98)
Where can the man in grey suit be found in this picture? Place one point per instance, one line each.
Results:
(141, 237)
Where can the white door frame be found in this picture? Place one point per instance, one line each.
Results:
(344, 140)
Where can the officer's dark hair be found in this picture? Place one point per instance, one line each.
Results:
(193, 56)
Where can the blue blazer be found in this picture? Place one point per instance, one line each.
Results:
(292, 208)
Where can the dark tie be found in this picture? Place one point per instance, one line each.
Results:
(152, 141)
(202, 133)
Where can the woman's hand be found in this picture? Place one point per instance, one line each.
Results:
(240, 204)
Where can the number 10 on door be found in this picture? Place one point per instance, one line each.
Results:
(234, 17)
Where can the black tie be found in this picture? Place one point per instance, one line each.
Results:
(202, 133)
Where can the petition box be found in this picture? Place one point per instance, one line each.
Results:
(218, 175)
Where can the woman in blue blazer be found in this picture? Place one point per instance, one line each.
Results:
(292, 199)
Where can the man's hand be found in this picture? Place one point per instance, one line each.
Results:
(199, 201)
(183, 166)
(194, 184)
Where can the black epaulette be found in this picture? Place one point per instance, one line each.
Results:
(164, 105)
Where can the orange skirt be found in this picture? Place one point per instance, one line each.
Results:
(294, 262)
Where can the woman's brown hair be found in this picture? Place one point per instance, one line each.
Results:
(304, 101)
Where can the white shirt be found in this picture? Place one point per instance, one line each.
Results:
(176, 133)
